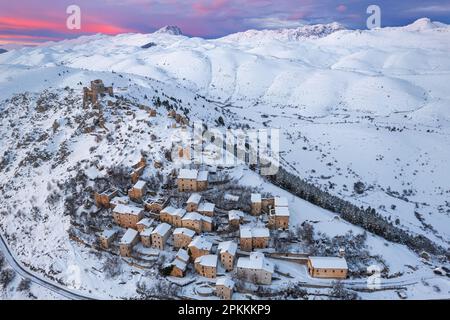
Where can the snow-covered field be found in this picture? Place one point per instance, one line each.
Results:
(352, 106)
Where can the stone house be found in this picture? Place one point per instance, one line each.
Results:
(191, 180)
(144, 224)
(246, 239)
(146, 237)
(127, 216)
(103, 199)
(206, 266)
(160, 235)
(254, 238)
(279, 218)
(138, 191)
(256, 269)
(206, 209)
(193, 202)
(227, 252)
(207, 224)
(107, 237)
(172, 216)
(128, 241)
(235, 218)
(328, 267)
(224, 288)
(256, 204)
(193, 221)
(199, 247)
(182, 237)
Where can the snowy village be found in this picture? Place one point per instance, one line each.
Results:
(224, 244)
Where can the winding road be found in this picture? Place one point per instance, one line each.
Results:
(36, 279)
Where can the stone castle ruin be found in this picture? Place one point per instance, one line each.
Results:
(97, 89)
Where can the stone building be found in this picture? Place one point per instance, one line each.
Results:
(199, 247)
(246, 239)
(206, 209)
(328, 267)
(172, 216)
(193, 202)
(182, 237)
(146, 237)
(256, 269)
(224, 288)
(138, 191)
(279, 218)
(235, 218)
(206, 266)
(190, 180)
(160, 236)
(144, 224)
(227, 252)
(97, 89)
(254, 238)
(107, 237)
(193, 221)
(207, 224)
(103, 199)
(128, 241)
(127, 216)
(256, 204)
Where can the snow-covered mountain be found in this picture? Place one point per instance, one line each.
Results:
(295, 34)
(173, 30)
(3, 50)
(363, 115)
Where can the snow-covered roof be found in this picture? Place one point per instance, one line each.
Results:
(147, 232)
(108, 233)
(185, 231)
(255, 197)
(228, 246)
(202, 176)
(175, 212)
(209, 260)
(162, 229)
(206, 207)
(281, 202)
(120, 200)
(260, 233)
(225, 281)
(140, 184)
(190, 174)
(245, 232)
(182, 265)
(126, 209)
(194, 216)
(194, 198)
(129, 236)
(147, 222)
(235, 215)
(201, 243)
(231, 197)
(282, 211)
(256, 261)
(207, 219)
(183, 255)
(328, 263)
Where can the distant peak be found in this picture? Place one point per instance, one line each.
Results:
(424, 24)
(303, 32)
(173, 30)
(3, 50)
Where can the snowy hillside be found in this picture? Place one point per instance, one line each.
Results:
(363, 115)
